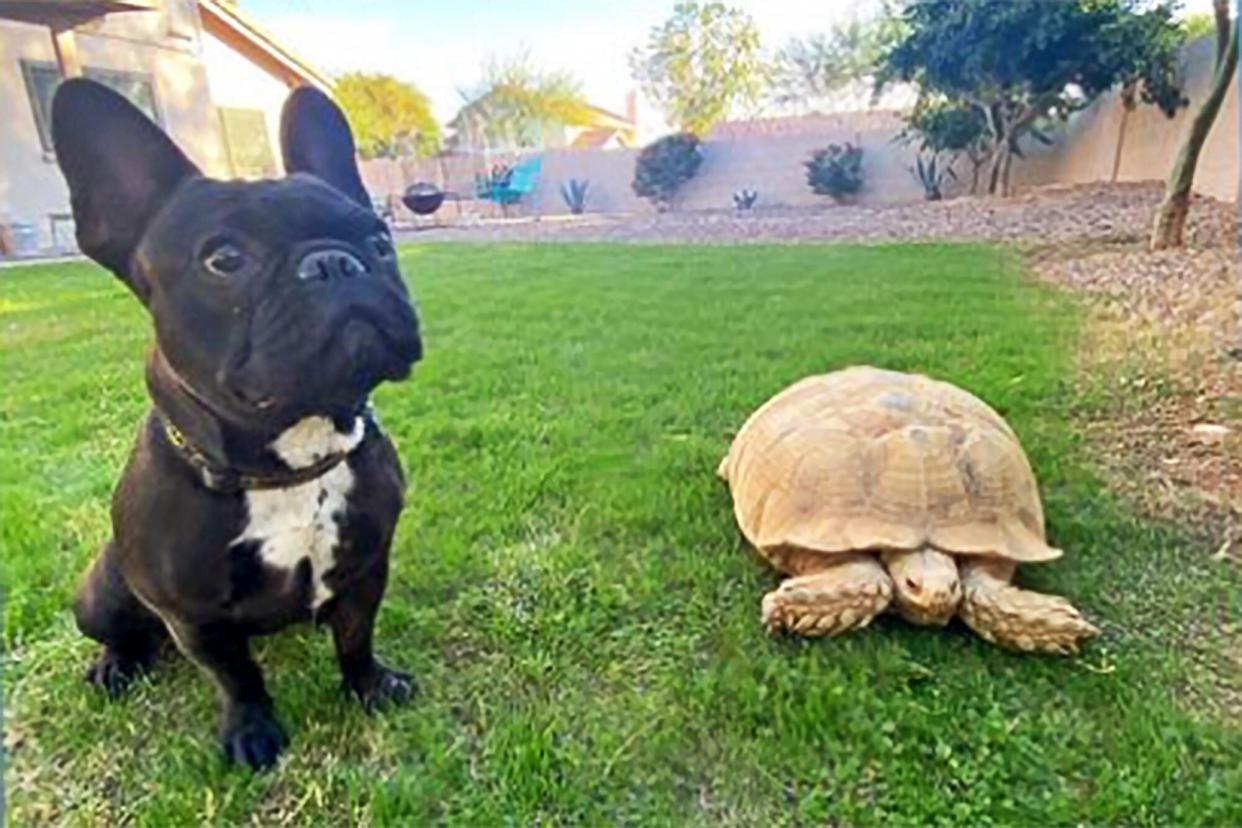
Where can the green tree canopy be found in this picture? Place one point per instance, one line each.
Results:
(1198, 25)
(390, 118)
(514, 98)
(822, 67)
(1021, 61)
(701, 65)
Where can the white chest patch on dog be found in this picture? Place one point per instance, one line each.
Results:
(311, 439)
(303, 521)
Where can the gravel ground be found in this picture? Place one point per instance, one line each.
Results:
(1094, 213)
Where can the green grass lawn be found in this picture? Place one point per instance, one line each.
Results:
(571, 590)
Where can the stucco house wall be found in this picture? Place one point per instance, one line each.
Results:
(32, 190)
(198, 74)
(236, 83)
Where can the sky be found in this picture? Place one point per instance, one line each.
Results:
(440, 45)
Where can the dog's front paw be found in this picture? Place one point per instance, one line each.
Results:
(251, 736)
(113, 672)
(381, 687)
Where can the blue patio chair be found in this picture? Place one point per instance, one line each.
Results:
(506, 189)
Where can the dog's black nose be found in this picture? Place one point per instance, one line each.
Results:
(330, 263)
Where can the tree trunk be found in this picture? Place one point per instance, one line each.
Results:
(1006, 190)
(1002, 162)
(996, 123)
(1170, 225)
(1220, 9)
(1128, 103)
(1121, 143)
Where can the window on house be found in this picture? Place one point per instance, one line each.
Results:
(247, 143)
(136, 87)
(41, 82)
(43, 78)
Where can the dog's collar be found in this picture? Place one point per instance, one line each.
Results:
(231, 481)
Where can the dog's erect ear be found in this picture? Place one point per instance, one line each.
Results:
(315, 139)
(121, 168)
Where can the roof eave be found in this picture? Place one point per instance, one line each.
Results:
(256, 44)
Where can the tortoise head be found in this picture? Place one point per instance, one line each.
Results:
(926, 588)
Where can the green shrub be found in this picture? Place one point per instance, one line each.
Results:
(835, 170)
(664, 165)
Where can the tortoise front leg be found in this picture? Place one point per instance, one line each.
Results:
(844, 594)
(1017, 618)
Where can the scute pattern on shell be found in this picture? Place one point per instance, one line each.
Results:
(864, 459)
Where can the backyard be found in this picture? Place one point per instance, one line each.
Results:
(573, 595)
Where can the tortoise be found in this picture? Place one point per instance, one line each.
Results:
(872, 488)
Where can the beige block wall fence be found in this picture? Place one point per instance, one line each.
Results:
(772, 162)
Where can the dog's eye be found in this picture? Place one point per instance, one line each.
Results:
(225, 259)
(381, 244)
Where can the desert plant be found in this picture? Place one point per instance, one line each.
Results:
(932, 174)
(664, 165)
(836, 170)
(945, 130)
(574, 192)
(745, 199)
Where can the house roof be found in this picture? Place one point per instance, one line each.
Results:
(596, 137)
(593, 116)
(241, 32)
(68, 13)
(604, 118)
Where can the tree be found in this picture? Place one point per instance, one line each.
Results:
(840, 64)
(515, 98)
(1198, 25)
(1170, 224)
(1022, 62)
(701, 65)
(945, 130)
(389, 118)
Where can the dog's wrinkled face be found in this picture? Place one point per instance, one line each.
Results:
(272, 300)
(292, 293)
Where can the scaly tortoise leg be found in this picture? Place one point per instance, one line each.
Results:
(840, 594)
(1017, 618)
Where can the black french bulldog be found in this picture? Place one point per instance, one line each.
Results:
(260, 491)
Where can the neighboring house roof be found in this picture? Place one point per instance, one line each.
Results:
(245, 36)
(600, 125)
(597, 137)
(861, 121)
(601, 117)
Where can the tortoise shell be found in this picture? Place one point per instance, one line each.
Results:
(867, 459)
